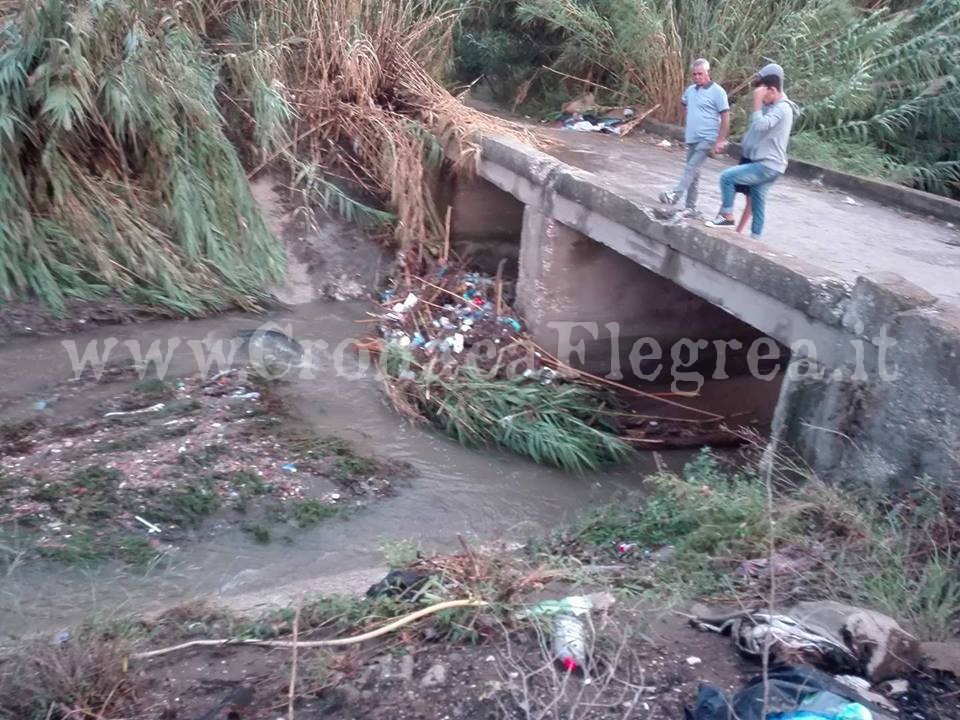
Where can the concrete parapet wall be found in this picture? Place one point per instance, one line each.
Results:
(889, 429)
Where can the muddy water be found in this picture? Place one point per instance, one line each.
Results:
(486, 496)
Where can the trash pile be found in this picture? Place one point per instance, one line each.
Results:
(442, 316)
(830, 661)
(453, 353)
(582, 114)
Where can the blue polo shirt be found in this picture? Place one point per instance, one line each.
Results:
(704, 106)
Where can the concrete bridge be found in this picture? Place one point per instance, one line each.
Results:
(847, 268)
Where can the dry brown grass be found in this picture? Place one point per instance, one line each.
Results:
(362, 77)
(83, 678)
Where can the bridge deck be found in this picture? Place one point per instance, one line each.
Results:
(804, 220)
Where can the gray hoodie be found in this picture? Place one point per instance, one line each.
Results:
(766, 139)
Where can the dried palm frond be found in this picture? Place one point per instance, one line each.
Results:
(361, 76)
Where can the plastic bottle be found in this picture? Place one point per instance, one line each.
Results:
(569, 642)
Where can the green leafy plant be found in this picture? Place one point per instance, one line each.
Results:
(568, 426)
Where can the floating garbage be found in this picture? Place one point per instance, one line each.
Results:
(468, 367)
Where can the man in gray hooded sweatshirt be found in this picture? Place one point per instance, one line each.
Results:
(765, 144)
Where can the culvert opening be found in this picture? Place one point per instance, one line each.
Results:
(485, 225)
(691, 365)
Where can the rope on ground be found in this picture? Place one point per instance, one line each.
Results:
(335, 642)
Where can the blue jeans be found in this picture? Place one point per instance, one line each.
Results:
(689, 183)
(759, 178)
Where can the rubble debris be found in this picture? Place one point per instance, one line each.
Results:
(836, 637)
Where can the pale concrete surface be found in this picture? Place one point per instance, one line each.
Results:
(804, 220)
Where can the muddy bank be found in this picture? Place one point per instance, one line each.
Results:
(477, 633)
(454, 491)
(644, 658)
(164, 462)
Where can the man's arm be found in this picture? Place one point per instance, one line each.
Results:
(766, 122)
(760, 121)
(723, 108)
(721, 142)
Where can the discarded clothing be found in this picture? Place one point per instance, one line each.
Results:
(795, 693)
(789, 640)
(942, 656)
(838, 638)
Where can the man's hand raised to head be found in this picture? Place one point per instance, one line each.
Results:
(758, 94)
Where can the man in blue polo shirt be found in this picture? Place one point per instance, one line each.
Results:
(708, 124)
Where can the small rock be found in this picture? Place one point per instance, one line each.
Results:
(436, 675)
(406, 668)
(351, 695)
(693, 661)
